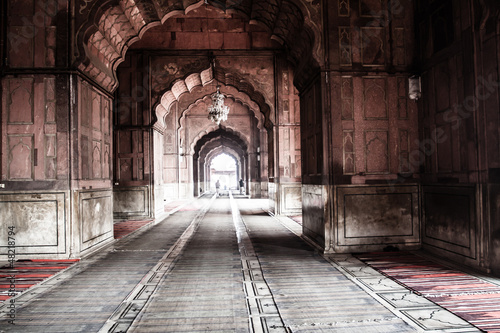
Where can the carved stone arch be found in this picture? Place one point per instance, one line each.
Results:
(212, 151)
(106, 29)
(212, 148)
(235, 85)
(238, 156)
(203, 137)
(205, 101)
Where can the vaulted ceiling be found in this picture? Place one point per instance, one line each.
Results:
(106, 29)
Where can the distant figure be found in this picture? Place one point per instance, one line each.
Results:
(242, 186)
(217, 186)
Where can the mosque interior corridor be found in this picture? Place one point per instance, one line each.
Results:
(249, 165)
(223, 264)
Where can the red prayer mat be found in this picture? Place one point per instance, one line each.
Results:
(27, 273)
(473, 299)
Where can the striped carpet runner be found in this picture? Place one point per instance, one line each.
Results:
(27, 273)
(473, 299)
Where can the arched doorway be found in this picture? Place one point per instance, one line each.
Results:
(220, 142)
(109, 146)
(181, 83)
(223, 168)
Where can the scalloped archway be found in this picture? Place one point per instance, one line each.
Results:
(212, 144)
(233, 87)
(106, 29)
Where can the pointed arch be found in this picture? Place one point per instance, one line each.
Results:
(234, 86)
(106, 29)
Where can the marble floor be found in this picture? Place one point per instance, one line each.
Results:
(223, 265)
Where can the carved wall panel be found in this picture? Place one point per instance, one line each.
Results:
(369, 218)
(347, 94)
(97, 218)
(95, 133)
(344, 8)
(375, 98)
(32, 33)
(345, 44)
(374, 34)
(378, 116)
(34, 143)
(132, 201)
(450, 222)
(377, 151)
(20, 103)
(349, 154)
(21, 157)
(40, 222)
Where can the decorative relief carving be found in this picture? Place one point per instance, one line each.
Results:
(375, 99)
(96, 161)
(347, 96)
(125, 169)
(349, 155)
(105, 115)
(345, 46)
(84, 155)
(344, 9)
(20, 101)
(20, 157)
(165, 70)
(106, 165)
(377, 151)
(96, 111)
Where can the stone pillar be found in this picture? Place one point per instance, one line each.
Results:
(56, 140)
(288, 156)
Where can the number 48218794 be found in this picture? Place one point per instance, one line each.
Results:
(11, 243)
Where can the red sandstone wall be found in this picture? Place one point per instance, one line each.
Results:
(95, 150)
(460, 128)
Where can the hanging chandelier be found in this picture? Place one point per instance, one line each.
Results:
(218, 112)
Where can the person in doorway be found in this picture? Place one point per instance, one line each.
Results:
(217, 187)
(242, 186)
